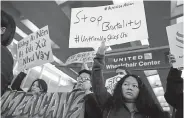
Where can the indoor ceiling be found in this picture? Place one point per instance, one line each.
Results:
(57, 17)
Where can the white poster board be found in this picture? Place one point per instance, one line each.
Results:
(175, 37)
(35, 49)
(111, 83)
(83, 57)
(114, 23)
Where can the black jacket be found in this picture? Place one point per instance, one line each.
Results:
(174, 91)
(6, 68)
(92, 109)
(17, 82)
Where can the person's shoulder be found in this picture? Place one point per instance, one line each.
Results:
(5, 53)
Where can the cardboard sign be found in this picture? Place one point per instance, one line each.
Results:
(83, 57)
(175, 37)
(139, 60)
(115, 24)
(35, 49)
(45, 105)
(111, 83)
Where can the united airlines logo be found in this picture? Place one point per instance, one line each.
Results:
(179, 38)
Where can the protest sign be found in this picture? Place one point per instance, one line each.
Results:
(152, 58)
(83, 57)
(43, 105)
(115, 24)
(175, 37)
(35, 49)
(111, 83)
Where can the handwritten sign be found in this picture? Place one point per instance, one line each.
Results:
(35, 49)
(115, 24)
(152, 58)
(83, 57)
(175, 37)
(111, 83)
(45, 105)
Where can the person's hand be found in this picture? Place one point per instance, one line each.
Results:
(102, 49)
(84, 66)
(171, 59)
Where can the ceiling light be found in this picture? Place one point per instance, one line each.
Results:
(166, 108)
(161, 99)
(159, 91)
(30, 25)
(150, 72)
(34, 28)
(20, 32)
(164, 104)
(154, 81)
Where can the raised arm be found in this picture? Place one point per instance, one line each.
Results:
(174, 88)
(98, 82)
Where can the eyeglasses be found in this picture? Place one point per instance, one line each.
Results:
(121, 73)
(82, 79)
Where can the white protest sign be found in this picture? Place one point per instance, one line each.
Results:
(175, 37)
(111, 83)
(35, 49)
(114, 23)
(83, 57)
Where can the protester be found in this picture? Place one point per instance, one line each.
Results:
(174, 89)
(122, 70)
(38, 86)
(92, 109)
(18, 81)
(7, 33)
(131, 99)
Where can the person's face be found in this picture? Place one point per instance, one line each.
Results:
(35, 87)
(3, 29)
(130, 88)
(121, 72)
(84, 79)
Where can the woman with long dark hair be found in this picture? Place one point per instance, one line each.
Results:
(37, 86)
(130, 98)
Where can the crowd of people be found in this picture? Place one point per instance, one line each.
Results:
(130, 99)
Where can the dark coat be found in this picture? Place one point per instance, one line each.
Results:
(92, 109)
(174, 91)
(18, 81)
(6, 68)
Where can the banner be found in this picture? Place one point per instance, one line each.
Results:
(45, 105)
(116, 24)
(175, 37)
(139, 60)
(83, 57)
(111, 83)
(35, 49)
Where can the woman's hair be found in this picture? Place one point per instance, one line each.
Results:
(144, 102)
(8, 22)
(42, 85)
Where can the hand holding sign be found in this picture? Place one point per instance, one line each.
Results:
(102, 49)
(84, 66)
(175, 37)
(172, 60)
